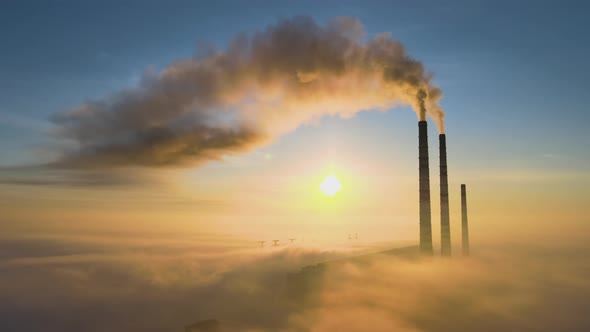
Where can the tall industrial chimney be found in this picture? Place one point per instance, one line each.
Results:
(424, 179)
(464, 225)
(445, 227)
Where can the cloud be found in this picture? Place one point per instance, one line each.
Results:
(147, 283)
(98, 285)
(518, 290)
(229, 102)
(44, 176)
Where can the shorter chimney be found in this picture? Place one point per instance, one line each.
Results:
(464, 225)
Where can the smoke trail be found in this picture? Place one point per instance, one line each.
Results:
(263, 86)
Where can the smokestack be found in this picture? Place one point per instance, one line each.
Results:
(445, 227)
(424, 179)
(464, 226)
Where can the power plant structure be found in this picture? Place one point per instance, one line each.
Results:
(425, 206)
(424, 180)
(445, 227)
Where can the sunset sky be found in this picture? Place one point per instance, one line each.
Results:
(146, 146)
(512, 75)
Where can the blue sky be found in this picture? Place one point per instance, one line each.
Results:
(513, 73)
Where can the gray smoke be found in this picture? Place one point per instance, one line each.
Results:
(225, 103)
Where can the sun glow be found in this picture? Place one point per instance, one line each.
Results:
(330, 186)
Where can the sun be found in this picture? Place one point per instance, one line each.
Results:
(330, 186)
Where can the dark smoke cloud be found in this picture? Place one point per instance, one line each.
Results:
(263, 86)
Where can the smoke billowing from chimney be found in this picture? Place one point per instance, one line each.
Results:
(262, 86)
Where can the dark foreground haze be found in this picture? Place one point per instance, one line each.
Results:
(153, 283)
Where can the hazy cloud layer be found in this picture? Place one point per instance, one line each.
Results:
(44, 176)
(95, 284)
(260, 87)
